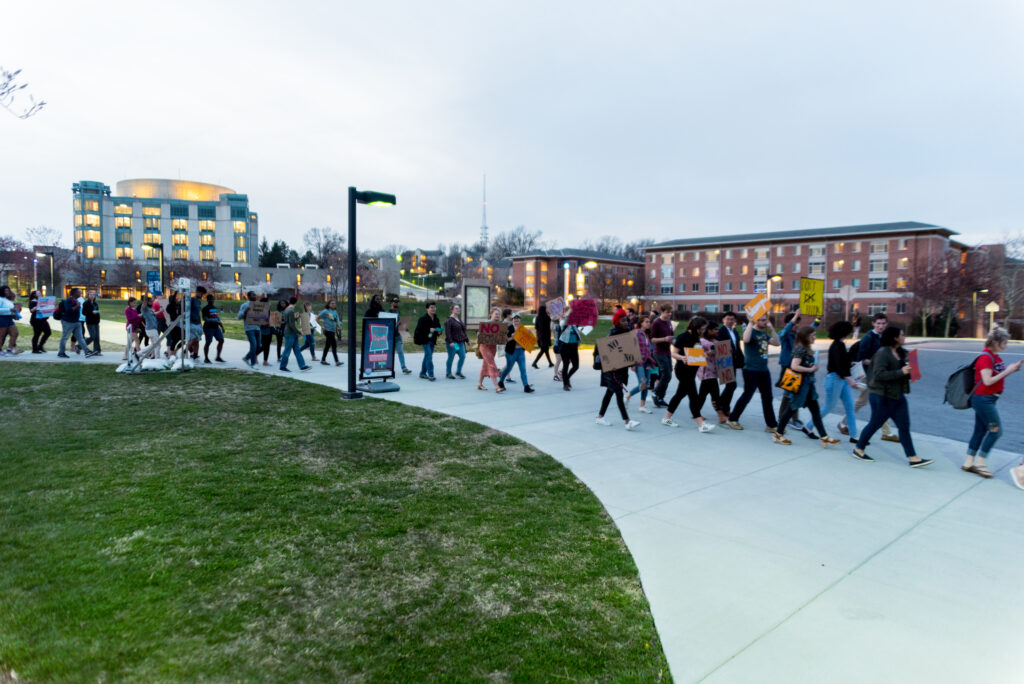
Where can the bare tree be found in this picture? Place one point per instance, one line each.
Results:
(88, 272)
(1009, 274)
(930, 285)
(324, 244)
(10, 91)
(514, 242)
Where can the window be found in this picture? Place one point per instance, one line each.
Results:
(180, 225)
(529, 267)
(796, 267)
(151, 223)
(901, 308)
(761, 253)
(711, 308)
(667, 289)
(904, 262)
(816, 269)
(78, 220)
(743, 286)
(268, 277)
(696, 273)
(92, 205)
(695, 287)
(543, 265)
(207, 254)
(239, 226)
(796, 250)
(839, 247)
(206, 212)
(207, 226)
(879, 246)
(855, 283)
(91, 236)
(653, 274)
(240, 256)
(728, 270)
(817, 251)
(123, 209)
(876, 309)
(837, 265)
(529, 278)
(666, 272)
(836, 283)
(745, 269)
(91, 252)
(122, 222)
(78, 205)
(150, 211)
(92, 220)
(744, 253)
(878, 267)
(878, 284)
(78, 236)
(124, 235)
(904, 243)
(728, 286)
(901, 283)
(179, 253)
(179, 210)
(856, 264)
(206, 240)
(238, 212)
(760, 272)
(780, 251)
(711, 288)
(796, 285)
(179, 239)
(728, 254)
(714, 254)
(153, 237)
(123, 252)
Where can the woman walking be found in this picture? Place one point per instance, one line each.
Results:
(173, 314)
(888, 385)
(330, 320)
(489, 368)
(556, 332)
(91, 311)
(839, 383)
(647, 366)
(990, 373)
(40, 324)
(133, 325)
(570, 343)
(707, 376)
(455, 341)
(687, 375)
(515, 355)
(807, 395)
(149, 322)
(615, 381)
(543, 326)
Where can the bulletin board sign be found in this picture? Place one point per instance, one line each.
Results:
(476, 299)
(377, 355)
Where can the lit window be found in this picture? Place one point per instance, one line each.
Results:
(854, 246)
(179, 225)
(904, 262)
(328, 278)
(91, 236)
(207, 254)
(92, 220)
(240, 256)
(123, 209)
(78, 220)
(745, 269)
(92, 205)
(123, 253)
(901, 282)
(239, 241)
(78, 205)
(179, 253)
(839, 247)
(837, 265)
(268, 278)
(529, 267)
(904, 243)
(236, 277)
(179, 239)
(122, 222)
(761, 253)
(206, 240)
(298, 278)
(239, 226)
(207, 226)
(103, 275)
(150, 211)
(151, 223)
(91, 252)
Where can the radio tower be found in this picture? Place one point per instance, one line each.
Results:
(483, 225)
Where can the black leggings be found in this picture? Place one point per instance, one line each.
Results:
(40, 333)
(787, 412)
(687, 377)
(614, 389)
(708, 388)
(266, 343)
(330, 345)
(545, 348)
(570, 355)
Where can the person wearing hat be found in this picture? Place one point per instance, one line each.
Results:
(514, 355)
(615, 381)
(393, 303)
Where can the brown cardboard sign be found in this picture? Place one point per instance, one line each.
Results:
(491, 333)
(303, 318)
(275, 319)
(723, 362)
(257, 313)
(525, 337)
(403, 328)
(618, 351)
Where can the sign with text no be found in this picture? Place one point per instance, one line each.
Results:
(812, 296)
(491, 333)
(618, 351)
(723, 362)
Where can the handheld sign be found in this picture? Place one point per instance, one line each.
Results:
(915, 366)
(303, 323)
(556, 307)
(258, 313)
(695, 356)
(275, 319)
(757, 307)
(491, 333)
(812, 296)
(723, 362)
(618, 351)
(46, 306)
(525, 337)
(584, 312)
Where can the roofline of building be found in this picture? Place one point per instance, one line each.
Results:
(806, 234)
(573, 254)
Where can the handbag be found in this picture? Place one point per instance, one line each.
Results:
(790, 381)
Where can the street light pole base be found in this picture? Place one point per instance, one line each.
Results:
(351, 395)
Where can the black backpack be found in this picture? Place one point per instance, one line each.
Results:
(960, 386)
(58, 313)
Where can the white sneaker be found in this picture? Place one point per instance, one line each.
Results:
(1017, 476)
(669, 422)
(644, 409)
(632, 425)
(705, 427)
(601, 421)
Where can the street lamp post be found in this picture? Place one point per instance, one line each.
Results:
(768, 290)
(974, 311)
(159, 246)
(357, 197)
(48, 254)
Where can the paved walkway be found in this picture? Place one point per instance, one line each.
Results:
(765, 563)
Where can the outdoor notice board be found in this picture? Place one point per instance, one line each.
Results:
(491, 333)
(477, 302)
(583, 312)
(378, 349)
(695, 356)
(812, 296)
(618, 351)
(46, 306)
(723, 362)
(757, 307)
(525, 337)
(555, 308)
(258, 313)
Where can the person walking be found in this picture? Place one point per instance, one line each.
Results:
(707, 375)
(839, 383)
(543, 326)
(428, 327)
(91, 312)
(395, 304)
(330, 319)
(40, 324)
(990, 373)
(306, 318)
(455, 341)
(787, 339)
(687, 375)
(802, 361)
(173, 314)
(489, 368)
(252, 331)
(292, 333)
(70, 323)
(266, 333)
(662, 337)
(515, 355)
(276, 332)
(569, 340)
(213, 329)
(614, 381)
(195, 321)
(133, 324)
(556, 332)
(647, 368)
(149, 323)
(888, 385)
(756, 378)
(727, 333)
(10, 311)
(867, 347)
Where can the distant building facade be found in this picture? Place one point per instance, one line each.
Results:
(548, 274)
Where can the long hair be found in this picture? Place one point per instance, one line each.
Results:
(696, 323)
(890, 336)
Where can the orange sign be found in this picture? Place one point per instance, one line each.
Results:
(757, 307)
(695, 356)
(525, 337)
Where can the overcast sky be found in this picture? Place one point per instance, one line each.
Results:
(665, 119)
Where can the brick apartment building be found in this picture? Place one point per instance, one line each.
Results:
(722, 273)
(542, 275)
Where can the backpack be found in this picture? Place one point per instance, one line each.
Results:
(960, 386)
(58, 313)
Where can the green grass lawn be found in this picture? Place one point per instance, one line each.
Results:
(230, 526)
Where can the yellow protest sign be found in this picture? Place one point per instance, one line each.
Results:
(812, 296)
(757, 307)
(695, 357)
(525, 337)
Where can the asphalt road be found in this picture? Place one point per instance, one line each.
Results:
(928, 414)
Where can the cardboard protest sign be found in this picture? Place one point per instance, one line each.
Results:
(723, 362)
(583, 312)
(275, 319)
(257, 313)
(403, 328)
(491, 333)
(915, 366)
(695, 356)
(556, 307)
(812, 296)
(525, 337)
(303, 319)
(757, 307)
(46, 306)
(618, 351)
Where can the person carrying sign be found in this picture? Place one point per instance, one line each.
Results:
(40, 324)
(615, 381)
(802, 361)
(756, 378)
(543, 325)
(569, 341)
(515, 355)
(489, 368)
(707, 375)
(686, 374)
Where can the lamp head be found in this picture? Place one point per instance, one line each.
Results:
(590, 265)
(378, 199)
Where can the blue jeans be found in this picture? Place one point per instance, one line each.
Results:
(255, 346)
(427, 367)
(883, 409)
(516, 357)
(291, 342)
(987, 427)
(642, 376)
(455, 348)
(310, 344)
(837, 388)
(400, 352)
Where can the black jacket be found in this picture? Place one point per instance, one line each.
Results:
(92, 312)
(886, 376)
(737, 349)
(425, 329)
(619, 376)
(543, 325)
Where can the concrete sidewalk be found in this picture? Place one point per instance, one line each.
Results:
(765, 563)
